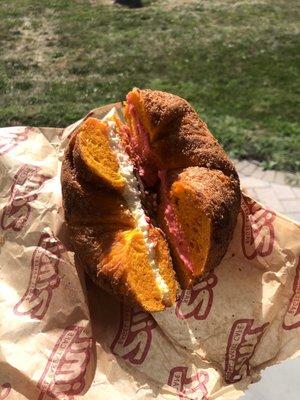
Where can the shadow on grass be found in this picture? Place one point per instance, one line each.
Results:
(130, 3)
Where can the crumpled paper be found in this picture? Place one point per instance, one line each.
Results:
(62, 337)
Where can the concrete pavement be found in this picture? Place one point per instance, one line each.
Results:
(279, 190)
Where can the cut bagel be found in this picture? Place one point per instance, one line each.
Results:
(93, 156)
(110, 232)
(197, 217)
(111, 171)
(117, 260)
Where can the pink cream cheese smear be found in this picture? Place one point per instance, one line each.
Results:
(174, 225)
(140, 150)
(145, 148)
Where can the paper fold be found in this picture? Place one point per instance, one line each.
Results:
(59, 339)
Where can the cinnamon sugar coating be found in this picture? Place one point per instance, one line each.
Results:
(183, 139)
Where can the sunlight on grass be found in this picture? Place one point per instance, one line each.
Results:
(236, 62)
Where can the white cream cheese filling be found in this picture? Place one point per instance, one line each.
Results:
(131, 195)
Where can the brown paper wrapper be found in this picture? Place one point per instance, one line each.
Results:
(62, 337)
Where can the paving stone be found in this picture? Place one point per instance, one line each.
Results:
(264, 176)
(258, 173)
(269, 175)
(296, 190)
(283, 192)
(280, 178)
(292, 179)
(269, 198)
(291, 206)
(249, 169)
(250, 182)
(276, 189)
(240, 165)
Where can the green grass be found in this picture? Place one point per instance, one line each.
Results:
(236, 62)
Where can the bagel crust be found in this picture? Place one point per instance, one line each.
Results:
(206, 203)
(180, 139)
(197, 200)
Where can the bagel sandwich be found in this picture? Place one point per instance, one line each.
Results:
(150, 201)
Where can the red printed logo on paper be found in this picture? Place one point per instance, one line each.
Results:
(197, 301)
(193, 387)
(5, 389)
(242, 342)
(64, 375)
(257, 229)
(26, 184)
(44, 278)
(292, 316)
(10, 139)
(134, 336)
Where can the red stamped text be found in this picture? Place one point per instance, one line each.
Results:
(242, 342)
(193, 387)
(44, 278)
(64, 375)
(5, 389)
(292, 316)
(10, 139)
(25, 188)
(133, 339)
(258, 232)
(197, 302)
